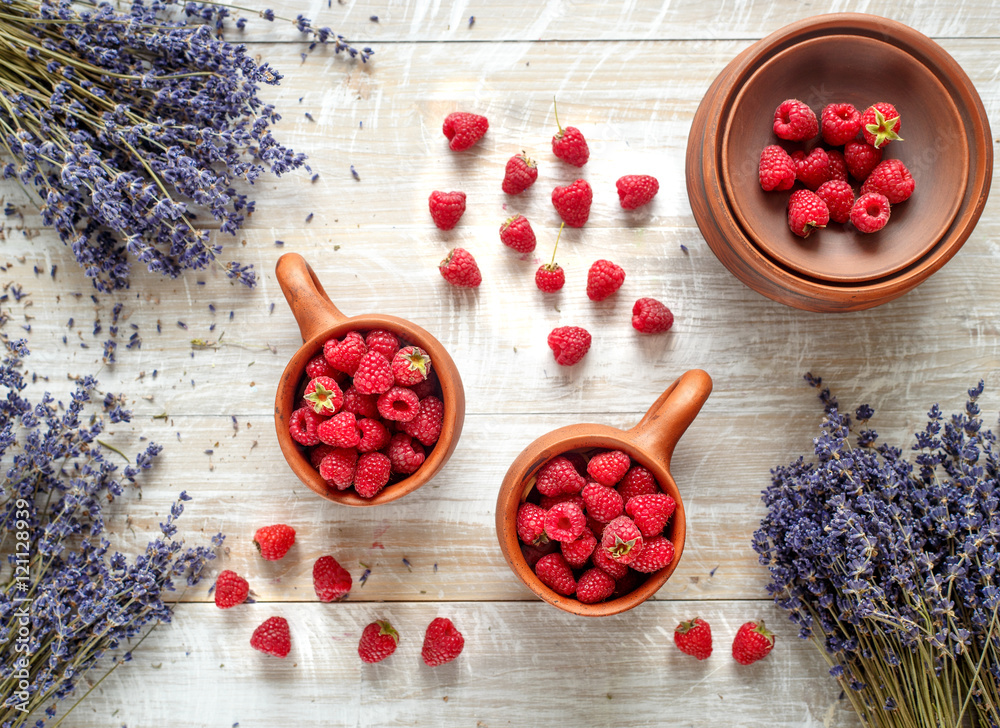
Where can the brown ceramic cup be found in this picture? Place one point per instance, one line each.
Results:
(650, 444)
(319, 320)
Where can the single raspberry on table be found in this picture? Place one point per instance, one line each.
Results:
(464, 129)
(752, 642)
(694, 637)
(603, 561)
(362, 405)
(410, 366)
(880, 124)
(806, 212)
(603, 279)
(569, 344)
(892, 179)
(839, 199)
(870, 212)
(603, 503)
(373, 375)
(651, 512)
(861, 158)
(374, 435)
(341, 430)
(622, 541)
(657, 552)
(426, 426)
(446, 208)
(405, 455)
(323, 395)
(554, 572)
(559, 475)
(345, 354)
(230, 589)
(776, 169)
(274, 541)
(378, 641)
(573, 201)
(577, 552)
(565, 522)
(569, 144)
(530, 524)
(840, 123)
(837, 167)
(399, 404)
(460, 269)
(371, 474)
(595, 585)
(637, 481)
(272, 637)
(337, 467)
(649, 316)
(384, 342)
(331, 581)
(516, 233)
(812, 169)
(302, 426)
(318, 367)
(519, 174)
(795, 121)
(442, 642)
(607, 468)
(550, 277)
(635, 190)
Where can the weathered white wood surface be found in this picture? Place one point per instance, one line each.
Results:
(630, 77)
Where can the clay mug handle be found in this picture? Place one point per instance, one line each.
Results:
(670, 415)
(313, 310)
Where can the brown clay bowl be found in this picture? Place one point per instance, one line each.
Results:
(319, 320)
(947, 147)
(650, 444)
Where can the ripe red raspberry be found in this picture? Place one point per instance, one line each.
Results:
(533, 553)
(374, 435)
(399, 404)
(776, 170)
(612, 568)
(569, 145)
(317, 453)
(530, 524)
(622, 540)
(405, 455)
(520, 173)
(516, 233)
(813, 169)
(302, 426)
(549, 501)
(841, 123)
(318, 367)
(273, 542)
(384, 342)
(557, 476)
(595, 585)
(550, 277)
(577, 552)
(426, 388)
(565, 522)
(649, 316)
(603, 503)
(337, 467)
(806, 212)
(657, 552)
(345, 355)
(870, 213)
(341, 430)
(637, 481)
(635, 190)
(694, 638)
(892, 179)
(569, 344)
(795, 121)
(595, 526)
(572, 202)
(373, 375)
(410, 366)
(460, 269)
(554, 572)
(272, 637)
(230, 589)
(426, 426)
(752, 642)
(837, 167)
(861, 158)
(446, 208)
(442, 642)
(371, 474)
(839, 199)
(607, 468)
(323, 395)
(464, 129)
(651, 512)
(331, 581)
(880, 124)
(603, 279)
(378, 641)
(362, 405)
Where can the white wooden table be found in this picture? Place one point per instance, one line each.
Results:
(630, 76)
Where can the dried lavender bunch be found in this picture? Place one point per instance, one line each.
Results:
(67, 599)
(890, 566)
(130, 124)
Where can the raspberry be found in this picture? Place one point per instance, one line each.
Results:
(317, 453)
(603, 279)
(569, 145)
(657, 552)
(806, 211)
(776, 170)
(637, 481)
(446, 208)
(519, 174)
(622, 540)
(603, 503)
(464, 129)
(812, 170)
(565, 522)
(607, 564)
(554, 572)
(892, 179)
(331, 581)
(272, 637)
(345, 355)
(596, 527)
(426, 388)
(230, 589)
(569, 344)
(516, 233)
(651, 513)
(323, 395)
(373, 375)
(572, 202)
(378, 641)
(362, 405)
(752, 642)
(839, 198)
(426, 426)
(533, 553)
(337, 468)
(880, 124)
(649, 316)
(341, 430)
(302, 425)
(595, 585)
(795, 121)
(861, 158)
(410, 366)
(635, 190)
(318, 367)
(399, 404)
(577, 552)
(559, 476)
(531, 524)
(371, 474)
(442, 642)
(384, 342)
(837, 167)
(694, 638)
(550, 277)
(607, 468)
(273, 542)
(549, 501)
(460, 269)
(374, 435)
(870, 213)
(627, 583)
(841, 123)
(405, 455)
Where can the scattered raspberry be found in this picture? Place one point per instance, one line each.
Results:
(362, 405)
(410, 366)
(776, 170)
(870, 213)
(378, 641)
(607, 468)
(273, 542)
(554, 572)
(880, 124)
(341, 430)
(446, 208)
(373, 375)
(812, 170)
(317, 453)
(405, 455)
(837, 167)
(331, 581)
(374, 435)
(752, 642)
(569, 344)
(323, 395)
(318, 367)
(577, 552)
(892, 179)
(516, 233)
(550, 277)
(272, 637)
(861, 158)
(460, 269)
(399, 404)
(302, 425)
(442, 642)
(384, 342)
(651, 512)
(426, 426)
(795, 121)
(557, 476)
(622, 540)
(371, 474)
(694, 637)
(603, 503)
(531, 524)
(337, 468)
(230, 589)
(595, 585)
(637, 481)
(520, 173)
(345, 355)
(603, 560)
(572, 202)
(464, 129)
(839, 199)
(569, 145)
(635, 190)
(806, 212)
(649, 316)
(841, 123)
(657, 552)
(565, 522)
(603, 279)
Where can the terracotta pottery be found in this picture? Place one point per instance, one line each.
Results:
(650, 444)
(319, 320)
(947, 146)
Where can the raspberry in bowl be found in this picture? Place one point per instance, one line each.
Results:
(370, 407)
